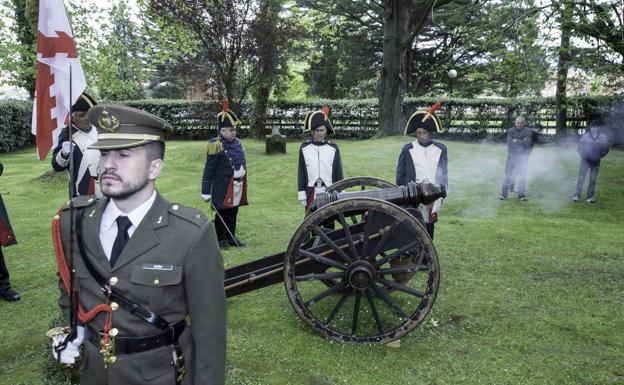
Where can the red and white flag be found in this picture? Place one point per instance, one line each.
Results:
(56, 52)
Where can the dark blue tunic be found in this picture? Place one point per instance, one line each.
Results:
(218, 177)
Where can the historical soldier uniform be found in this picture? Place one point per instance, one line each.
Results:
(320, 164)
(592, 147)
(224, 180)
(519, 146)
(85, 159)
(139, 275)
(7, 238)
(424, 162)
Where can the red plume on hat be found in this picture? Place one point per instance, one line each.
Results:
(326, 111)
(431, 110)
(226, 105)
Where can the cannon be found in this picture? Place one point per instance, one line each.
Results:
(361, 267)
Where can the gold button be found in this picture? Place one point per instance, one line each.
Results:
(114, 305)
(113, 281)
(175, 207)
(156, 282)
(113, 332)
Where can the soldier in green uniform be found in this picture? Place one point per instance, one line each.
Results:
(148, 273)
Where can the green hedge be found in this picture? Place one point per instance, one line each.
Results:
(15, 121)
(466, 119)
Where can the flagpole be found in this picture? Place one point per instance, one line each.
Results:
(72, 294)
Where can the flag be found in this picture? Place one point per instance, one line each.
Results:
(56, 52)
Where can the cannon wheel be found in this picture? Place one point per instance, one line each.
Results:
(363, 182)
(364, 305)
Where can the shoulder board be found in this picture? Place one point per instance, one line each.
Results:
(214, 147)
(188, 213)
(80, 201)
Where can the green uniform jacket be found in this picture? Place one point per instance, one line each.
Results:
(169, 234)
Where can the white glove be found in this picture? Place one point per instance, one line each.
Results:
(65, 148)
(71, 351)
(303, 202)
(240, 172)
(206, 197)
(437, 205)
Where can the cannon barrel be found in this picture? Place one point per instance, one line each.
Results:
(411, 194)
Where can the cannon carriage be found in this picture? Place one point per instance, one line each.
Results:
(361, 267)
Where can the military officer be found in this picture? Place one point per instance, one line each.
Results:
(424, 160)
(7, 238)
(85, 158)
(224, 181)
(143, 267)
(320, 164)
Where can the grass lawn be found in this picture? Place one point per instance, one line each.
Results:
(530, 293)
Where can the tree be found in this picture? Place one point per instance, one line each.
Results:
(602, 20)
(269, 40)
(221, 27)
(17, 52)
(120, 67)
(562, 68)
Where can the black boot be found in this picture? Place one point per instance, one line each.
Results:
(10, 295)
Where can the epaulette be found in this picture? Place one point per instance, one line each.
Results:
(188, 213)
(214, 147)
(79, 202)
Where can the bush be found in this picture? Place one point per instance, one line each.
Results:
(465, 119)
(15, 123)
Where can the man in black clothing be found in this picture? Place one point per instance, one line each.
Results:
(519, 145)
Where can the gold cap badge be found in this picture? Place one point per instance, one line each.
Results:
(108, 121)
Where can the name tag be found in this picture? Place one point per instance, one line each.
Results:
(152, 266)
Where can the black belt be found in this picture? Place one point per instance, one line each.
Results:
(129, 345)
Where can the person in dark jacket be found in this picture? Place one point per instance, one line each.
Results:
(424, 160)
(320, 164)
(7, 238)
(85, 159)
(592, 147)
(519, 146)
(224, 182)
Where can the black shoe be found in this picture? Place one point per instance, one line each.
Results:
(502, 197)
(235, 242)
(523, 199)
(591, 200)
(575, 199)
(224, 244)
(10, 295)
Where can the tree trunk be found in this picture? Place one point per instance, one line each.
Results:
(393, 69)
(562, 72)
(258, 115)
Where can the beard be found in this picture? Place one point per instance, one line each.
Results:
(127, 189)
